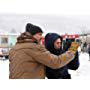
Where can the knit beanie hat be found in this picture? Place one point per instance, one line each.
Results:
(33, 29)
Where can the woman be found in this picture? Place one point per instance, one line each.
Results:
(53, 43)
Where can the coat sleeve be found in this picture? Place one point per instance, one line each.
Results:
(53, 61)
(74, 64)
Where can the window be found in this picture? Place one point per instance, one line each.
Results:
(4, 40)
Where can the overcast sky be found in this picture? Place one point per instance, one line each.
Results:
(65, 16)
(49, 23)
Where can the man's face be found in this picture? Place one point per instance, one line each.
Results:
(57, 44)
(38, 37)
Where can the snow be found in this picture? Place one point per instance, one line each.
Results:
(4, 69)
(83, 71)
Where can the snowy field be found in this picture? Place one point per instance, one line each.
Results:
(83, 71)
(4, 69)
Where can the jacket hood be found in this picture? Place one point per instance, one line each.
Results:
(25, 37)
(49, 42)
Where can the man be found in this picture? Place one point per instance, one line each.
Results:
(28, 58)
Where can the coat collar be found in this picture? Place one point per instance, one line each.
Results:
(25, 38)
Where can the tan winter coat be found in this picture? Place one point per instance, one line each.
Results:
(27, 60)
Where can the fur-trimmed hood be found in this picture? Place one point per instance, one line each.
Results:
(26, 37)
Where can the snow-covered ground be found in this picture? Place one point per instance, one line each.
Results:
(83, 71)
(4, 69)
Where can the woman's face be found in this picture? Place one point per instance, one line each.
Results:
(57, 43)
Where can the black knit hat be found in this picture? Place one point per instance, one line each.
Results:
(33, 29)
